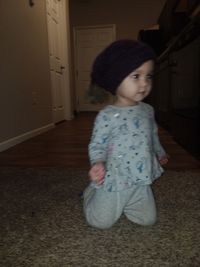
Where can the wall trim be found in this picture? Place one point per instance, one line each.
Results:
(23, 137)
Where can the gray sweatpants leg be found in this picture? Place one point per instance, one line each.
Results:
(102, 209)
(141, 207)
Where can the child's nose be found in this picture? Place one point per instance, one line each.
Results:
(143, 83)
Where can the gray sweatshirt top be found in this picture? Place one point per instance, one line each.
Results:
(126, 140)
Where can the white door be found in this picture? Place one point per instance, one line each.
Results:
(89, 41)
(58, 56)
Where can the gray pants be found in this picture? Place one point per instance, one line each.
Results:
(102, 209)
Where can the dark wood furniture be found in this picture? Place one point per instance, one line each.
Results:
(176, 92)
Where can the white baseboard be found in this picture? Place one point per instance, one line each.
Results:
(23, 137)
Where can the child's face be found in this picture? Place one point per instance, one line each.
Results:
(136, 86)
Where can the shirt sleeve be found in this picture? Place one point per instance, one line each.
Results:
(158, 149)
(100, 137)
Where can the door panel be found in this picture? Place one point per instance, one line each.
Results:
(89, 42)
(55, 55)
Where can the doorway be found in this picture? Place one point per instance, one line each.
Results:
(58, 35)
(88, 43)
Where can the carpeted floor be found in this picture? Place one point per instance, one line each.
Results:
(42, 223)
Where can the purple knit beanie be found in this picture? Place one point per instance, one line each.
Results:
(117, 61)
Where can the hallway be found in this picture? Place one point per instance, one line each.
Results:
(66, 147)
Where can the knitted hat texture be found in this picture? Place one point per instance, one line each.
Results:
(117, 61)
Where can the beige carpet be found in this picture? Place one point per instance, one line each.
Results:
(42, 223)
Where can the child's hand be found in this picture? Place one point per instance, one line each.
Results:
(97, 173)
(164, 159)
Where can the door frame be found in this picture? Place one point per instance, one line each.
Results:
(65, 50)
(75, 29)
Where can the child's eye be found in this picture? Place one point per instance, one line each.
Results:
(150, 76)
(135, 76)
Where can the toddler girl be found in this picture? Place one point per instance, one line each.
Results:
(125, 152)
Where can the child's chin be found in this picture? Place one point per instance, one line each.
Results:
(139, 98)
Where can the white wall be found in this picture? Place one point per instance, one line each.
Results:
(25, 95)
(130, 16)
